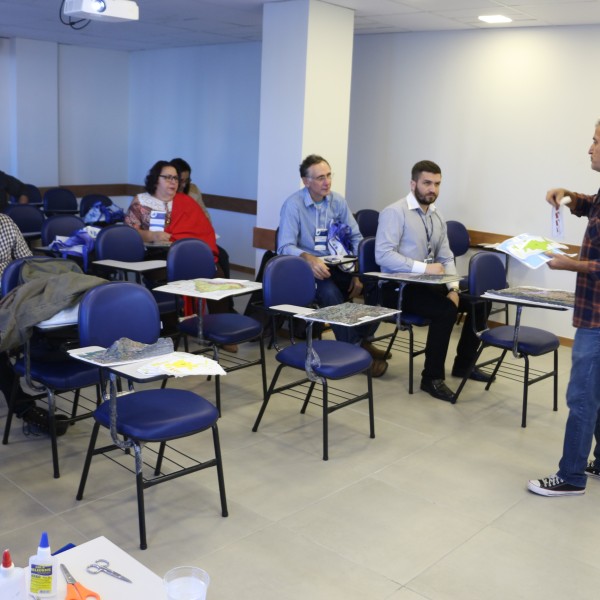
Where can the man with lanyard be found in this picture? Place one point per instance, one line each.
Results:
(412, 238)
(305, 219)
(583, 391)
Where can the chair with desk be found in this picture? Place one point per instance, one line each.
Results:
(48, 377)
(289, 280)
(142, 418)
(487, 272)
(190, 259)
(408, 321)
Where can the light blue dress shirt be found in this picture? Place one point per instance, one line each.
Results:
(300, 217)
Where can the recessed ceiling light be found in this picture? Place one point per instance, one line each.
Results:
(494, 19)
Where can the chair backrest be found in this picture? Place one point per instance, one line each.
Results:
(367, 220)
(33, 193)
(118, 309)
(288, 280)
(89, 200)
(486, 272)
(119, 242)
(60, 225)
(12, 272)
(190, 259)
(59, 199)
(366, 256)
(28, 218)
(458, 238)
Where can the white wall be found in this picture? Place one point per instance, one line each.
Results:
(201, 104)
(506, 113)
(93, 115)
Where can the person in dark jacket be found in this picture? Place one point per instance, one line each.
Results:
(11, 186)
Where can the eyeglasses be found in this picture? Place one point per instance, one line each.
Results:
(170, 177)
(323, 178)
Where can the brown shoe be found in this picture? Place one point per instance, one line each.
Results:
(233, 348)
(378, 367)
(375, 352)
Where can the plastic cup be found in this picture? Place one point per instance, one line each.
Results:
(186, 583)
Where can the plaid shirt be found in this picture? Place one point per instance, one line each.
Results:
(12, 244)
(587, 290)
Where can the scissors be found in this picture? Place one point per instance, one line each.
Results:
(101, 566)
(75, 591)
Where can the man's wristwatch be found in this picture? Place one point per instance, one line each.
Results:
(454, 289)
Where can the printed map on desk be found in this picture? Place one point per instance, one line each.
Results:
(180, 364)
(348, 314)
(211, 289)
(529, 249)
(535, 295)
(416, 277)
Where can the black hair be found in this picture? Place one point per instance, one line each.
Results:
(309, 161)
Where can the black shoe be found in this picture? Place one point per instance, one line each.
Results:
(438, 389)
(554, 486)
(476, 375)
(592, 470)
(36, 422)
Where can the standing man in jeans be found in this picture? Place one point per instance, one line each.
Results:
(303, 224)
(583, 392)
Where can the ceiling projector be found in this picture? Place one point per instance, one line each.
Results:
(102, 10)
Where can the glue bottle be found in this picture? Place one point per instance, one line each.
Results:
(42, 580)
(12, 579)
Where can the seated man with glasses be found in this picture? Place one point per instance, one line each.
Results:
(305, 219)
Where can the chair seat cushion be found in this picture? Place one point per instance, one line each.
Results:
(223, 328)
(532, 341)
(156, 415)
(416, 320)
(338, 359)
(65, 374)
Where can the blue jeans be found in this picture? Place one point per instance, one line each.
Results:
(334, 291)
(583, 400)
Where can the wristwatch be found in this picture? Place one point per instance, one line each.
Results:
(455, 289)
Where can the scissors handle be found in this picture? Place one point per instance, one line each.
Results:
(101, 566)
(76, 591)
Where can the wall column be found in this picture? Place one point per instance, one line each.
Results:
(305, 97)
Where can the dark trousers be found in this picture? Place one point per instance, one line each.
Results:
(7, 376)
(431, 302)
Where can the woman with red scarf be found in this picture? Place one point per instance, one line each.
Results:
(162, 214)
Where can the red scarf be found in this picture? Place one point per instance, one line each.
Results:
(189, 221)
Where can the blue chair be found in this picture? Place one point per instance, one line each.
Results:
(65, 225)
(157, 416)
(458, 238)
(48, 377)
(29, 219)
(486, 272)
(290, 280)
(408, 321)
(193, 259)
(33, 193)
(59, 201)
(89, 200)
(367, 220)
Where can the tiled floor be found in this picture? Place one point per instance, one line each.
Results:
(434, 507)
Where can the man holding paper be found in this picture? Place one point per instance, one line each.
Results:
(583, 395)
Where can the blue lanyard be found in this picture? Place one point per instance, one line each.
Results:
(428, 234)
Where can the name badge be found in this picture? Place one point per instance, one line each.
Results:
(157, 220)
(321, 240)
